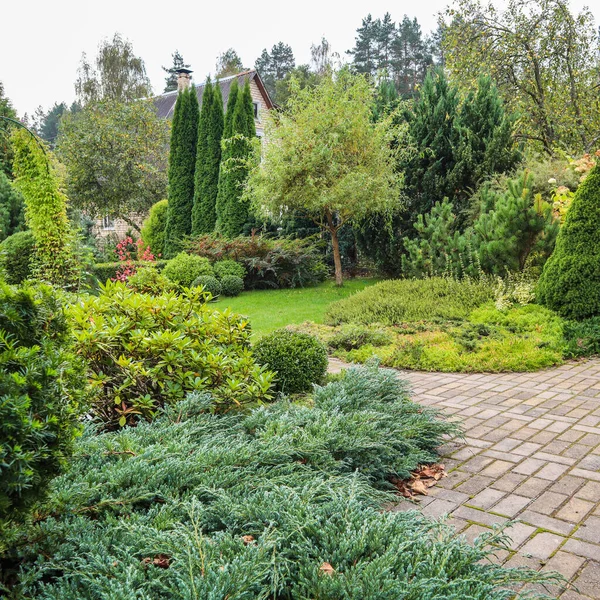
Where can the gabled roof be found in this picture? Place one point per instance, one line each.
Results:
(165, 103)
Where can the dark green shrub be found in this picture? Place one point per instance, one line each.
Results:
(232, 285)
(104, 272)
(299, 359)
(351, 337)
(224, 268)
(582, 338)
(570, 281)
(144, 351)
(398, 301)
(209, 284)
(279, 263)
(12, 208)
(149, 280)
(153, 229)
(185, 268)
(41, 388)
(16, 256)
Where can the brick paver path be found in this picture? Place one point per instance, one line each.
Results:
(531, 453)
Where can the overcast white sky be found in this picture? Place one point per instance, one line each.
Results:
(42, 41)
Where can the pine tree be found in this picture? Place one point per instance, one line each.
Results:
(182, 163)
(234, 209)
(171, 78)
(207, 164)
(365, 51)
(570, 282)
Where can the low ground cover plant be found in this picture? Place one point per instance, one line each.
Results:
(145, 351)
(276, 504)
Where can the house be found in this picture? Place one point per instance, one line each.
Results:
(165, 105)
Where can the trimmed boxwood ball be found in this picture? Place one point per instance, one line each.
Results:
(16, 254)
(185, 268)
(570, 281)
(232, 285)
(298, 358)
(209, 283)
(224, 268)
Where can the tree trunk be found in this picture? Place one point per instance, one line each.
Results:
(337, 259)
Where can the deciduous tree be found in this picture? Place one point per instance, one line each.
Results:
(228, 63)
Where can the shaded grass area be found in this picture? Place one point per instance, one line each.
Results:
(268, 310)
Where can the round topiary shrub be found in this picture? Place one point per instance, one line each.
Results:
(570, 281)
(232, 285)
(153, 229)
(185, 268)
(209, 283)
(225, 268)
(16, 254)
(148, 280)
(298, 358)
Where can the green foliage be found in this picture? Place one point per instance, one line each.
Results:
(582, 338)
(398, 301)
(208, 161)
(228, 63)
(116, 158)
(41, 389)
(149, 280)
(104, 272)
(6, 151)
(144, 351)
(182, 163)
(515, 227)
(233, 206)
(12, 208)
(227, 267)
(46, 214)
(231, 285)
(274, 66)
(299, 359)
(153, 229)
(326, 158)
(439, 249)
(16, 256)
(297, 479)
(209, 284)
(570, 281)
(184, 268)
(352, 337)
(171, 78)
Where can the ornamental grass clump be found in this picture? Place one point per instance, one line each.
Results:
(144, 351)
(278, 504)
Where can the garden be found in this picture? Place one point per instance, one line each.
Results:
(168, 425)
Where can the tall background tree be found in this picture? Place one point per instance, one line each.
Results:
(228, 63)
(274, 66)
(171, 78)
(116, 158)
(327, 130)
(208, 161)
(115, 74)
(544, 60)
(238, 147)
(6, 153)
(182, 163)
(47, 123)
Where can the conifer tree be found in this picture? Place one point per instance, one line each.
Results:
(182, 163)
(570, 282)
(234, 208)
(12, 214)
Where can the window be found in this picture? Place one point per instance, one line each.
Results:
(108, 224)
(256, 106)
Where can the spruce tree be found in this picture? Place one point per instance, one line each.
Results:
(570, 282)
(235, 209)
(182, 163)
(204, 217)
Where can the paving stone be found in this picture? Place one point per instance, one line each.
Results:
(529, 466)
(590, 491)
(476, 464)
(478, 516)
(567, 485)
(575, 510)
(439, 507)
(589, 530)
(474, 531)
(497, 468)
(548, 502)
(545, 522)
(565, 563)
(511, 506)
(588, 581)
(473, 485)
(509, 482)
(518, 533)
(532, 487)
(582, 549)
(486, 498)
(551, 471)
(543, 545)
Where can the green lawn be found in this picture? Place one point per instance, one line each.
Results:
(272, 309)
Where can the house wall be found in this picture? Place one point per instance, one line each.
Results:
(262, 111)
(118, 230)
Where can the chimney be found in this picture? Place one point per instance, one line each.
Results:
(183, 79)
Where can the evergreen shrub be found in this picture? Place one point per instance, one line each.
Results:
(232, 285)
(145, 351)
(108, 271)
(276, 504)
(153, 229)
(41, 391)
(224, 268)
(398, 301)
(149, 280)
(570, 281)
(352, 337)
(185, 268)
(299, 359)
(582, 338)
(12, 208)
(209, 284)
(16, 255)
